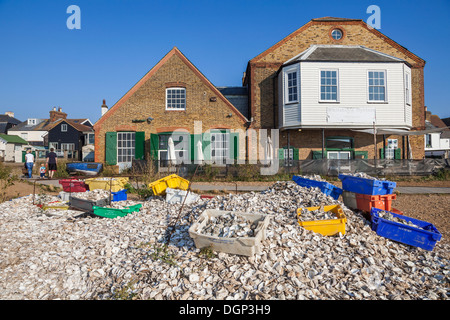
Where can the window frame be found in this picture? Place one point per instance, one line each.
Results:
(408, 92)
(337, 86)
(224, 148)
(167, 99)
(122, 148)
(64, 127)
(385, 86)
(286, 72)
(340, 31)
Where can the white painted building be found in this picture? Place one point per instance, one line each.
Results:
(335, 86)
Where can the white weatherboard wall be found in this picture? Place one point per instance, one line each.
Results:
(352, 98)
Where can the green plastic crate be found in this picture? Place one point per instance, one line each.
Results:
(114, 213)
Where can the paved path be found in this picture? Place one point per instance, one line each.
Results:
(247, 188)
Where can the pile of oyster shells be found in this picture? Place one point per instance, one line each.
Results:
(318, 214)
(389, 216)
(93, 195)
(82, 257)
(228, 225)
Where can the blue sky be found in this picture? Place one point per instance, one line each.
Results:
(44, 64)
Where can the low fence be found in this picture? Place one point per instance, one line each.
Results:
(325, 167)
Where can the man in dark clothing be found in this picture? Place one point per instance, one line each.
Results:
(52, 159)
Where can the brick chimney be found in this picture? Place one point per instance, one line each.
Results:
(57, 114)
(427, 114)
(104, 107)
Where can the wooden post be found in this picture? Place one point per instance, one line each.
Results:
(375, 145)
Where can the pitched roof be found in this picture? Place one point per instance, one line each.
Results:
(8, 119)
(46, 125)
(437, 122)
(149, 74)
(78, 126)
(13, 139)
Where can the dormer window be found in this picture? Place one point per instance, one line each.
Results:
(31, 122)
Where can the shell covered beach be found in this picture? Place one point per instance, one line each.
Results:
(65, 254)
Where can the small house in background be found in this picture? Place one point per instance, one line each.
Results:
(437, 144)
(11, 148)
(32, 130)
(66, 136)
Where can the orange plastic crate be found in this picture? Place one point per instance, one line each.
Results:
(366, 202)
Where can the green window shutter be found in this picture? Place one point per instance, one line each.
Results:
(317, 154)
(111, 148)
(296, 153)
(139, 145)
(398, 153)
(154, 146)
(206, 142)
(195, 138)
(235, 138)
(281, 154)
(381, 153)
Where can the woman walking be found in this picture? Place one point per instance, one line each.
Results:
(29, 163)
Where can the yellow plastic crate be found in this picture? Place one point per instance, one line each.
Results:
(173, 181)
(117, 184)
(328, 227)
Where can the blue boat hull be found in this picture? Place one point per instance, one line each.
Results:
(88, 168)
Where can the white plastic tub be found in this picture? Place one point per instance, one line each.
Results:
(247, 246)
(177, 196)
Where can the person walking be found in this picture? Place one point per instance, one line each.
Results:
(52, 160)
(29, 163)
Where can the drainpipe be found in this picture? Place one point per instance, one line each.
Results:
(323, 143)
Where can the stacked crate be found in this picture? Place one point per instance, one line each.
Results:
(364, 194)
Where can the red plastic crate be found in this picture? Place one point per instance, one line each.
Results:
(366, 202)
(72, 185)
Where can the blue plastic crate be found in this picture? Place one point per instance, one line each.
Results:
(119, 195)
(366, 186)
(424, 237)
(324, 186)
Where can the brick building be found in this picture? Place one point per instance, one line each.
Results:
(325, 87)
(339, 45)
(174, 99)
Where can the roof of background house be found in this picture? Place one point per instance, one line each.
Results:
(8, 119)
(13, 139)
(46, 125)
(238, 97)
(446, 121)
(24, 126)
(437, 122)
(75, 124)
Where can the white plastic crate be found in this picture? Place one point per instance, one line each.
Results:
(247, 246)
(177, 196)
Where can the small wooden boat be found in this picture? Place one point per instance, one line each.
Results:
(85, 168)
